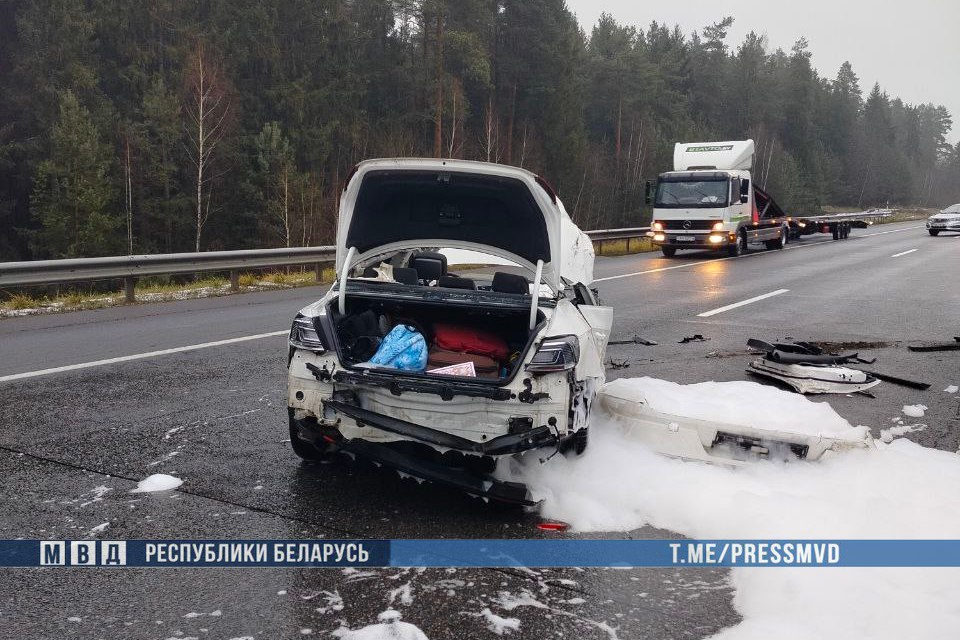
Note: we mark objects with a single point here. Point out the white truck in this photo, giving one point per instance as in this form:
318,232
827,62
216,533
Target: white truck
709,201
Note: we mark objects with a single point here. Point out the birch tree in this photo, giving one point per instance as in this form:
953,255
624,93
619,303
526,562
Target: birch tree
207,109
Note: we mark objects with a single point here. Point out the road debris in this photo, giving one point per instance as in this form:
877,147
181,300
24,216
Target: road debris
613,363
694,338
635,340
936,346
806,369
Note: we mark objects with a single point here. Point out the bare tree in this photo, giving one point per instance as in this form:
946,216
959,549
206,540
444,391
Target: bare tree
208,107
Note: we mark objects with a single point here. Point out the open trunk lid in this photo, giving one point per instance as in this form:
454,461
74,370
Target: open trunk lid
395,204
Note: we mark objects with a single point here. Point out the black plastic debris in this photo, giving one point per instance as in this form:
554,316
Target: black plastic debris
694,338
936,346
634,340
903,382
618,364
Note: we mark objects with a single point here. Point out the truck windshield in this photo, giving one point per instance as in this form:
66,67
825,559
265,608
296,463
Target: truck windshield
692,194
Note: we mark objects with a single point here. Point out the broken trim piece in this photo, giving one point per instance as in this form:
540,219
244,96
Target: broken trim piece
812,378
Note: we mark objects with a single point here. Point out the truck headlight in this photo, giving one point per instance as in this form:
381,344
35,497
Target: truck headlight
303,335
718,226
657,226
560,353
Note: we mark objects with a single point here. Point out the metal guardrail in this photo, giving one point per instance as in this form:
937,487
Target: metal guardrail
617,234
129,268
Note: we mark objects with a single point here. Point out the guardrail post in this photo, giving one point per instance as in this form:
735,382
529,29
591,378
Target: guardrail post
318,272
234,280
129,285
628,244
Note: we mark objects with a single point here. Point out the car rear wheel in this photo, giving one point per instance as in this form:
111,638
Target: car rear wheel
668,252
303,448
934,232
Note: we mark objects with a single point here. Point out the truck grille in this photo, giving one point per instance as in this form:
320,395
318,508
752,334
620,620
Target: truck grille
688,225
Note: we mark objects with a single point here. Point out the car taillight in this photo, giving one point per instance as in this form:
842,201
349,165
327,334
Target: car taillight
303,335
555,354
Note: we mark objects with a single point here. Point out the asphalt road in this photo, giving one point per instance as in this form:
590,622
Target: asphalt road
73,443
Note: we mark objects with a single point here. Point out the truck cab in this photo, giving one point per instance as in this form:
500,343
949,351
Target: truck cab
709,201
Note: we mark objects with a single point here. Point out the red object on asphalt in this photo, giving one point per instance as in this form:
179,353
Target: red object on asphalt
552,526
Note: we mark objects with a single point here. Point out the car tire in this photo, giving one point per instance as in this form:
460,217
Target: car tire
306,450
668,252
933,232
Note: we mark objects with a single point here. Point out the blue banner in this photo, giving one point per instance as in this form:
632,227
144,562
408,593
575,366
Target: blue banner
480,553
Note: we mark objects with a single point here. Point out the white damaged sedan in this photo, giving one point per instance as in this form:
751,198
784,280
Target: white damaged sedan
502,360
946,220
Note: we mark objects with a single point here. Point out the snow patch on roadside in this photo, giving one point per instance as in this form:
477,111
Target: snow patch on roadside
952,389
157,482
897,490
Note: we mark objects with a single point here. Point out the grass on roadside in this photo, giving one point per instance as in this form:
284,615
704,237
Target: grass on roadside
157,289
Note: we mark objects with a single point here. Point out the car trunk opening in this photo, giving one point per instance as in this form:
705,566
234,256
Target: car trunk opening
466,338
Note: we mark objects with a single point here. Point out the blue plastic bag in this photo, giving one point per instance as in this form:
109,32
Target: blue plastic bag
403,348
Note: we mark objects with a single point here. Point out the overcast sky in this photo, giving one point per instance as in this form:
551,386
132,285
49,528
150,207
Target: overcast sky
912,48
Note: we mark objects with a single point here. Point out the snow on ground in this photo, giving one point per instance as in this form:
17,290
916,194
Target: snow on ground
952,389
896,490
157,482
390,627
914,410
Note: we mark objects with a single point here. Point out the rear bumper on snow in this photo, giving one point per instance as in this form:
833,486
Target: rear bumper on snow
474,483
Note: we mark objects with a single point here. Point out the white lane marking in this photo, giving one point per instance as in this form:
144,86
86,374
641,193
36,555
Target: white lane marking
902,253
749,255
138,356
713,312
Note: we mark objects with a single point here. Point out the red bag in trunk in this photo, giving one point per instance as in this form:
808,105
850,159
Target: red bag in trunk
485,367
466,340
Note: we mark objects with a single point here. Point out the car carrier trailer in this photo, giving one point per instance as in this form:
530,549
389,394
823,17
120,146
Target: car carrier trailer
837,224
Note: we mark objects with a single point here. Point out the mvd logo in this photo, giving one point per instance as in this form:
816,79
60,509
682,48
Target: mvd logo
80,553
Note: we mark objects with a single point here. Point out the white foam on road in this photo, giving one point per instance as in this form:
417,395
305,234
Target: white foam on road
157,482
898,490
139,356
914,410
390,627
713,312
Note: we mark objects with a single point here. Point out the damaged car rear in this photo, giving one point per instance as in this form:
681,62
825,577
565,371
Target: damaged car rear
438,371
